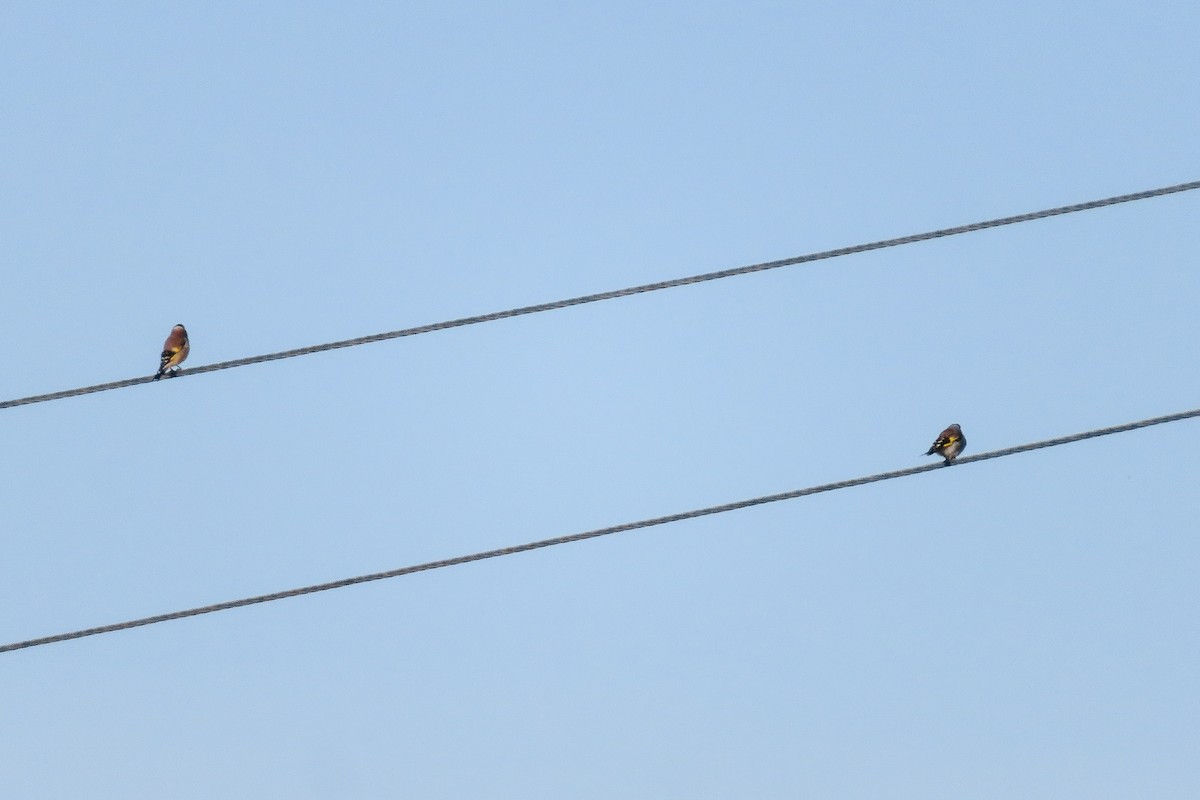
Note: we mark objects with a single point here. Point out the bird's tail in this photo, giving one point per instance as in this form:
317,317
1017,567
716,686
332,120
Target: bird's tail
162,365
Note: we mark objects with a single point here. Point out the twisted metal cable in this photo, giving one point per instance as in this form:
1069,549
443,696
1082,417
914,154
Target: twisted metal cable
616,293
592,534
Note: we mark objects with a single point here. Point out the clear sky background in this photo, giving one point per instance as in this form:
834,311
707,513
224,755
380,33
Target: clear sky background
275,175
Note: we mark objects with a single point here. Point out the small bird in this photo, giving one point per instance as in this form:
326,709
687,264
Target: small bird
949,444
175,351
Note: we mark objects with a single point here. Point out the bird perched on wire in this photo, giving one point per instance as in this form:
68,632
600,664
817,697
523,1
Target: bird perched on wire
949,443
175,350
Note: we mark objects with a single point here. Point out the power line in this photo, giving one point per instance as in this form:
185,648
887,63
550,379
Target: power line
616,293
592,534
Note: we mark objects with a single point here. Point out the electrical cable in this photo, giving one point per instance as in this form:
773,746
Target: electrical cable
616,293
592,534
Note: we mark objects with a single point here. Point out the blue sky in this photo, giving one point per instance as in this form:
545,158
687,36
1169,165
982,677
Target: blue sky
281,174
